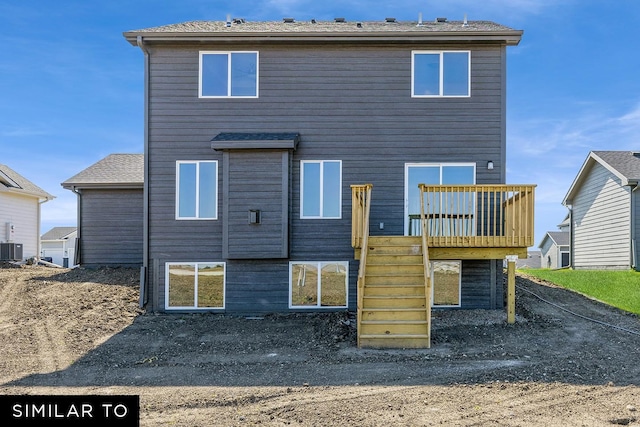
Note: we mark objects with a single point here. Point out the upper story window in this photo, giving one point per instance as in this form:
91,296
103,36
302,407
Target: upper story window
441,74
228,75
321,189
197,190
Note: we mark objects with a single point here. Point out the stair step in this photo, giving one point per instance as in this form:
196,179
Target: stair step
395,240
393,327
391,279
390,290
396,259
387,314
400,301
395,341
394,269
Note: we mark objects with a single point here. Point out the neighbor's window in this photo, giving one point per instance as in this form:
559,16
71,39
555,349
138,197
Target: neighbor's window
197,189
321,183
445,74
198,285
445,278
318,284
228,74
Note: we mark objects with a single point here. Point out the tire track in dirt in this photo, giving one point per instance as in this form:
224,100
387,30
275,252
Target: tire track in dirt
52,350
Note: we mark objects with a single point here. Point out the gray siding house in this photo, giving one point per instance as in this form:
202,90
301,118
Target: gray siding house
604,206
110,211
259,135
555,249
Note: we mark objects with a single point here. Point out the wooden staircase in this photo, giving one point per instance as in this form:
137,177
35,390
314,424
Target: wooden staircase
394,311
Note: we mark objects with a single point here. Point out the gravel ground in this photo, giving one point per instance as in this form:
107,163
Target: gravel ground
80,332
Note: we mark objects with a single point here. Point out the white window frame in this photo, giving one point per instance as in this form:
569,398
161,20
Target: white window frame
197,163
318,305
195,290
440,165
433,288
229,78
321,216
441,88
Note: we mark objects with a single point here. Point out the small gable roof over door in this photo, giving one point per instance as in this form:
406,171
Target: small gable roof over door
255,141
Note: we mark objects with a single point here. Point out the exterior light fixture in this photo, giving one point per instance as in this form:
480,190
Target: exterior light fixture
490,165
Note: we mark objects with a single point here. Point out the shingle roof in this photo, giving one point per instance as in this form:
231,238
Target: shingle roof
324,27
115,170
15,182
562,238
255,140
352,29
57,233
626,163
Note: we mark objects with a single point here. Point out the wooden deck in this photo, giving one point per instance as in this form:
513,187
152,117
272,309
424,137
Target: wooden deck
456,222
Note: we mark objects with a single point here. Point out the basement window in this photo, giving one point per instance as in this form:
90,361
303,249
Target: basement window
441,74
445,277
228,75
320,284
198,285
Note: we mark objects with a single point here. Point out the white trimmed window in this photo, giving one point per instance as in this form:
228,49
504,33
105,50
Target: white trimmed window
441,74
197,189
322,284
228,75
446,280
321,189
194,285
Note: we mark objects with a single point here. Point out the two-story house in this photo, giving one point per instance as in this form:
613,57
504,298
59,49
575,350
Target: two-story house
276,151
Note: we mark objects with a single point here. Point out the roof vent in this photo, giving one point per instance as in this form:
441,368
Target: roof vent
228,21
289,20
390,19
239,20
340,20
441,20
313,21
465,23
359,24
420,19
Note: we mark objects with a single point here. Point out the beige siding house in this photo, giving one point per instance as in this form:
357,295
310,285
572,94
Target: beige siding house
604,205
20,201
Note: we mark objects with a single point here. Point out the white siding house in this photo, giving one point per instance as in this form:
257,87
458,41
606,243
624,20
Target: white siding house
603,205
20,201
555,249
58,245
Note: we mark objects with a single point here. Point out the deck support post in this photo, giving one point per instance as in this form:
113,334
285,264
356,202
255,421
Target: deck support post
511,288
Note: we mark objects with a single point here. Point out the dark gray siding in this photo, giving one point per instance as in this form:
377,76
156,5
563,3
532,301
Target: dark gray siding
256,180
351,103
111,227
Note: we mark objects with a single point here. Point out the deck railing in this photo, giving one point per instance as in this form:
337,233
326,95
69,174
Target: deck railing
360,208
493,216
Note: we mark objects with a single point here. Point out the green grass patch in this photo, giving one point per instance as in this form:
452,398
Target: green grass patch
617,288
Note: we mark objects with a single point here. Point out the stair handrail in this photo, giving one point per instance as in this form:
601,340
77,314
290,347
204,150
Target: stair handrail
427,267
363,233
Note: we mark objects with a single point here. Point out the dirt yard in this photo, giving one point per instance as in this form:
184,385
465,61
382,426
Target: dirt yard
81,332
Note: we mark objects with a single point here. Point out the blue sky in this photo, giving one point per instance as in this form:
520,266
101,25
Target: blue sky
72,88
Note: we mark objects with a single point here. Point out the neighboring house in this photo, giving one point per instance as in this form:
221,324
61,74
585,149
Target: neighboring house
555,248
604,207
533,260
20,201
110,211
259,137
58,245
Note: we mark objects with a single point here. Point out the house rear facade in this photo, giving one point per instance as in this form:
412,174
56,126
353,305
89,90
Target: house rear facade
604,205
259,135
